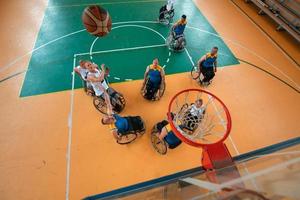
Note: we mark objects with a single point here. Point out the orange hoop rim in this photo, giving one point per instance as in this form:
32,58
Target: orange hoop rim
188,141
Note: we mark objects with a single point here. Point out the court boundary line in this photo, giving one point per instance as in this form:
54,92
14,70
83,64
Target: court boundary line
266,34
70,129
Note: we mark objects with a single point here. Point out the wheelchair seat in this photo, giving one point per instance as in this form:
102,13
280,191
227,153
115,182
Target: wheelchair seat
136,124
171,139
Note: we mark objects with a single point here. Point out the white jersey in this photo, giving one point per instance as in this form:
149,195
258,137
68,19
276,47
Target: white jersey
83,72
96,85
170,4
197,112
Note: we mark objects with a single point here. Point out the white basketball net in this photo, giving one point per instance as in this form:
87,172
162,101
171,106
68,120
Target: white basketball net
206,123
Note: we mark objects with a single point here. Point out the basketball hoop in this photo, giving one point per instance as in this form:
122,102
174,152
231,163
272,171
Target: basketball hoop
201,119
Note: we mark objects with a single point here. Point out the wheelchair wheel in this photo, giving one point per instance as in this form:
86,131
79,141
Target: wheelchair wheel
126,139
160,146
162,90
118,103
195,73
100,104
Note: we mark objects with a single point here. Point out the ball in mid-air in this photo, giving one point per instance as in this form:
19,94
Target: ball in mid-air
96,20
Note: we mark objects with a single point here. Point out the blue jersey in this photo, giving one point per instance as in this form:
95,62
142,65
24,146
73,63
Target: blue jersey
179,29
155,74
121,124
172,140
209,60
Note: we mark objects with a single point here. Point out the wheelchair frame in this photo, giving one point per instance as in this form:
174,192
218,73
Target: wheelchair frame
158,91
131,136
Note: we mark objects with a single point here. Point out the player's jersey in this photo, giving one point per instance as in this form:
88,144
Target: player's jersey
155,74
179,29
96,85
197,112
172,140
83,72
121,124
209,60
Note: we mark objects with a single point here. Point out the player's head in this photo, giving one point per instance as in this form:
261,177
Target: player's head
214,50
107,120
88,65
93,66
82,63
199,103
183,18
155,62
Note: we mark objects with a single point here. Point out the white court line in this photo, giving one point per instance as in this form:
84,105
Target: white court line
155,22
121,49
250,51
33,50
104,3
128,25
265,34
249,176
70,125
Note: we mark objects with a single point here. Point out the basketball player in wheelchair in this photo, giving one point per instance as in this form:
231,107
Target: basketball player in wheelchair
154,82
163,138
166,13
176,40
97,80
190,116
207,65
124,129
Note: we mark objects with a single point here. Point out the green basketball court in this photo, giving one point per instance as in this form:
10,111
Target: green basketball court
136,39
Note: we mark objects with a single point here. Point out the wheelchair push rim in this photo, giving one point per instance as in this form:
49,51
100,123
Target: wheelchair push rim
159,145
126,139
100,104
195,74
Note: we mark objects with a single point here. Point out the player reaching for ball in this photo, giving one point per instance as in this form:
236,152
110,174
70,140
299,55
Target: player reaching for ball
96,78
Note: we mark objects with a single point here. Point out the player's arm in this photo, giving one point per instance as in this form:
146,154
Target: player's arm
215,65
77,71
200,61
101,77
146,75
162,73
108,103
115,133
163,133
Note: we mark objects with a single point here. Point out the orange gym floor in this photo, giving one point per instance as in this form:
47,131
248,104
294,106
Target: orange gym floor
34,130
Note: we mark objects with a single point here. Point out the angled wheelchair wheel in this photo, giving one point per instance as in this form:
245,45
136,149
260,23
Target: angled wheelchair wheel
100,104
160,146
162,91
195,73
126,139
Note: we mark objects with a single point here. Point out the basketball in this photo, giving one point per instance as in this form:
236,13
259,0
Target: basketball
96,20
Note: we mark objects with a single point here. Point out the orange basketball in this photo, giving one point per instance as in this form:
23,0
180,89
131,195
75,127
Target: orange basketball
96,20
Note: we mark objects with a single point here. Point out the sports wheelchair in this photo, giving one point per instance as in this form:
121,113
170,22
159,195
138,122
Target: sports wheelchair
152,93
198,73
162,146
136,127
175,42
165,16
117,101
